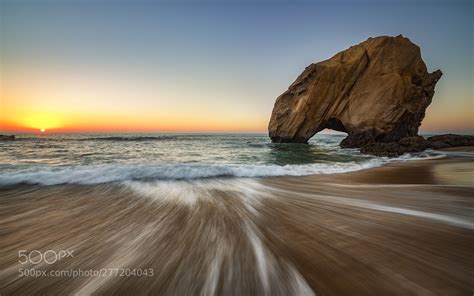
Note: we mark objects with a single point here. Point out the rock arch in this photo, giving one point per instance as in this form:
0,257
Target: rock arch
377,91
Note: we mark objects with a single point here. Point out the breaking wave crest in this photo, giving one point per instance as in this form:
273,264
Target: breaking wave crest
97,174
129,139
98,139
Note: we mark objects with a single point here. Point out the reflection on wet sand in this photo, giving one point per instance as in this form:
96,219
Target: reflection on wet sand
401,229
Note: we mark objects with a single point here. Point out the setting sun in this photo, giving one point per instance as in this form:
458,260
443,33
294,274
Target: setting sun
42,121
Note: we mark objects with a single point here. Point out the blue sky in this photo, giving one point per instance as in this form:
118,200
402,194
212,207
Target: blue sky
210,64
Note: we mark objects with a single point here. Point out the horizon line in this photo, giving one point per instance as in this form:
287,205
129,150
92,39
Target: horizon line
325,131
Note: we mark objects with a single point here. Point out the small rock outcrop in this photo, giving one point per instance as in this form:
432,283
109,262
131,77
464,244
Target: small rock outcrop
376,91
450,140
393,149
417,144
4,137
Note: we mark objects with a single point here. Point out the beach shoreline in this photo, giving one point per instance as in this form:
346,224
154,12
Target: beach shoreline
396,172
403,228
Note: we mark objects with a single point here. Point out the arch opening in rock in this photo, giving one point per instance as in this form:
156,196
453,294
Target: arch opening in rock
333,126
336,125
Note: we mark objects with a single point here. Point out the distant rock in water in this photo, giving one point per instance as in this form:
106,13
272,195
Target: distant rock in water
376,91
4,137
416,144
450,140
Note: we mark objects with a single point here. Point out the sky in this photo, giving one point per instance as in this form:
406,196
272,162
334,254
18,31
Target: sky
208,66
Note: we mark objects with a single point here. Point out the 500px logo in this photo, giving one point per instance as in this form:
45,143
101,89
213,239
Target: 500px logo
48,257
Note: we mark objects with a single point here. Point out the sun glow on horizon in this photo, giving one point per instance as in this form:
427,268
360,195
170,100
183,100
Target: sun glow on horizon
42,121
28,120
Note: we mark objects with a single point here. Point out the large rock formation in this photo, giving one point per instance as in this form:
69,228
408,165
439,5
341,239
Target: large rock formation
376,91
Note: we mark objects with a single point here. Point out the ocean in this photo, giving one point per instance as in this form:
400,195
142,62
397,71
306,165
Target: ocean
195,214
73,158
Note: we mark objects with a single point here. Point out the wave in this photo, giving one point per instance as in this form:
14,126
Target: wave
97,174
132,138
111,138
114,173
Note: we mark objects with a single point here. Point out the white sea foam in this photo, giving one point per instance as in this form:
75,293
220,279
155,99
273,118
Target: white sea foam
110,173
106,173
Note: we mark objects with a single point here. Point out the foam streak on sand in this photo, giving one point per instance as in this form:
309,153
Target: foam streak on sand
360,203
269,236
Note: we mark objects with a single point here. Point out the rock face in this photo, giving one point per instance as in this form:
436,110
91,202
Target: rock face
450,140
4,137
376,91
393,149
416,144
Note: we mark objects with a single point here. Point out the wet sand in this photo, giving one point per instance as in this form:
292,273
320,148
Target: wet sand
402,229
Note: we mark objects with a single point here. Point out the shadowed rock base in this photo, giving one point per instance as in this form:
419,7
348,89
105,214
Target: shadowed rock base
416,144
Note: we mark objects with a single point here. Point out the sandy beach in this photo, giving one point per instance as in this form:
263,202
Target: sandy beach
403,229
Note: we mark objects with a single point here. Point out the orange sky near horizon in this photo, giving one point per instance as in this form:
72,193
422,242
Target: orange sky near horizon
31,119
34,96
64,102
86,103
59,102
120,126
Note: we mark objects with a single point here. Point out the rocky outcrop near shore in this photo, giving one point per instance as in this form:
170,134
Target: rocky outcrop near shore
5,137
376,91
450,140
417,144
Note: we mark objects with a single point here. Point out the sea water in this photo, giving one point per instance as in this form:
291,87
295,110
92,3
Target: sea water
94,158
